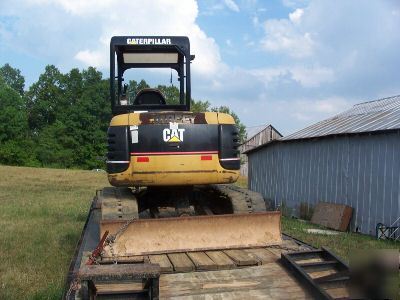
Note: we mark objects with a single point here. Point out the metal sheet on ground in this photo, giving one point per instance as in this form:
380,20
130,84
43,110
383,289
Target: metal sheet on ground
195,233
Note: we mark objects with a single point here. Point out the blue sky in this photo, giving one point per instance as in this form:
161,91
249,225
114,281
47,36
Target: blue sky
289,63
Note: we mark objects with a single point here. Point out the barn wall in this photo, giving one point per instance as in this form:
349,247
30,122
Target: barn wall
267,134
361,171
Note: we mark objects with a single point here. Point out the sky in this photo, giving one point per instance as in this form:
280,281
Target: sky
289,63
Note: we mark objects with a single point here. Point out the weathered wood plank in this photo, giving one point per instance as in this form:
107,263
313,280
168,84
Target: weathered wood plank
280,293
242,258
262,254
163,261
310,260
339,292
116,272
124,259
276,252
114,288
201,261
221,259
315,275
269,281
181,262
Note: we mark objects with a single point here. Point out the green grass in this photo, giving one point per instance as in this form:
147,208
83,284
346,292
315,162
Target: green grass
41,217
42,214
343,244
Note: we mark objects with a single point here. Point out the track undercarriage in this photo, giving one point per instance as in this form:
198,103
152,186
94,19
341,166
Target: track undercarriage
161,202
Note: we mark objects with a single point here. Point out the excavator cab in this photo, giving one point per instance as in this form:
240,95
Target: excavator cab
149,52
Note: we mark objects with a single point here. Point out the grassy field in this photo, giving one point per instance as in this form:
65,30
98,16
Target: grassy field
343,244
42,214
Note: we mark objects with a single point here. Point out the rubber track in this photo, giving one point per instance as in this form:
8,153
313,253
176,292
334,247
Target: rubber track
243,200
119,194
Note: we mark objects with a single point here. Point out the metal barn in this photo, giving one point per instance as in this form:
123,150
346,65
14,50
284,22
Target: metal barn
267,134
352,158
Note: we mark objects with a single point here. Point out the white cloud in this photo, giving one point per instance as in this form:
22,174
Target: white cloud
294,3
90,58
107,18
307,77
283,37
312,110
312,77
295,16
232,5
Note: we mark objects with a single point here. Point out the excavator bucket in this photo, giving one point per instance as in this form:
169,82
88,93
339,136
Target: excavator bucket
199,233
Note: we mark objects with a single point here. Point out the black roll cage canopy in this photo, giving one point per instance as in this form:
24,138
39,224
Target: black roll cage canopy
121,46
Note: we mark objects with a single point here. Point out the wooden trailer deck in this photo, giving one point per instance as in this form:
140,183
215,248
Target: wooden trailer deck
217,274
225,274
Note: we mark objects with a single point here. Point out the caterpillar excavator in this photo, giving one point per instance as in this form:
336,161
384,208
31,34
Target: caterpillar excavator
171,173
170,168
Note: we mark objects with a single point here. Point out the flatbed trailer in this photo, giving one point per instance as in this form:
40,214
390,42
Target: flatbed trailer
258,272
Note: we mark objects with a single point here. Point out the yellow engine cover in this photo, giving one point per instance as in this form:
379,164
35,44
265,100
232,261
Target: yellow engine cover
172,148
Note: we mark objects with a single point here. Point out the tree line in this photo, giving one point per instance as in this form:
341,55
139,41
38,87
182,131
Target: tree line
61,120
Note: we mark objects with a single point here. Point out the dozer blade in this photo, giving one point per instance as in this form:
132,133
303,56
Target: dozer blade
165,235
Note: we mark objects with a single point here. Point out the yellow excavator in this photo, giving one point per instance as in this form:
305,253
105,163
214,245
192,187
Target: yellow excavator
171,169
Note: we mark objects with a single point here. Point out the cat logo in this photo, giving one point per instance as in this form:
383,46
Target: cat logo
173,133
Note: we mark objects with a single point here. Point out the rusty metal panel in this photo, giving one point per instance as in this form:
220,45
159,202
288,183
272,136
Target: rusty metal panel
335,216
361,171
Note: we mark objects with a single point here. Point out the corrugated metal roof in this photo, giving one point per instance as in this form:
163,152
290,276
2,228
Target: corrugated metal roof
382,114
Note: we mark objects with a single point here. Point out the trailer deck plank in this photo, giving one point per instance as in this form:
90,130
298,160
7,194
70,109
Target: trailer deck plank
268,281
242,258
163,261
339,292
221,259
114,288
181,262
201,261
276,252
124,259
262,254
